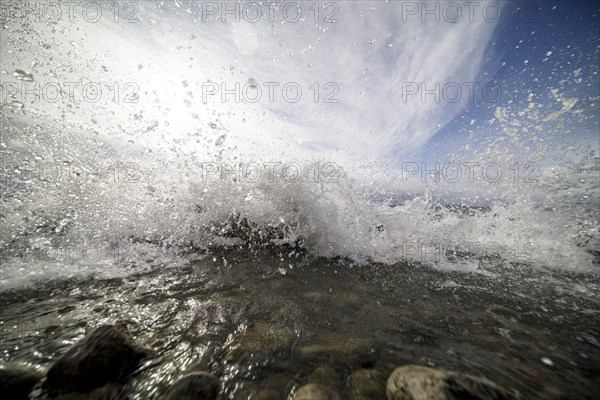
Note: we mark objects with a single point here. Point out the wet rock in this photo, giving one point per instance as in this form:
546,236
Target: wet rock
325,376
353,351
23,75
367,384
258,341
105,355
314,391
195,386
280,383
16,382
412,382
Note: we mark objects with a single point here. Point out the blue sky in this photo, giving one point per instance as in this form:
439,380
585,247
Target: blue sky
517,58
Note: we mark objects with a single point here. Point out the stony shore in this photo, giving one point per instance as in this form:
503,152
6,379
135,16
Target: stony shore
100,365
256,333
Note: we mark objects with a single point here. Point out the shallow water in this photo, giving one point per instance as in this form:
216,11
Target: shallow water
255,322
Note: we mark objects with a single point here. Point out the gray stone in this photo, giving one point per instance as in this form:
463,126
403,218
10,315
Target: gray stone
314,391
367,384
105,355
415,382
16,382
257,342
195,386
325,376
279,382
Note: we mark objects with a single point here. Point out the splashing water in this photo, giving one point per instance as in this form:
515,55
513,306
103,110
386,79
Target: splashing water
242,194
144,157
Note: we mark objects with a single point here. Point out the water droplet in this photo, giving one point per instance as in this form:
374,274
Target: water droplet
547,361
16,104
220,140
23,76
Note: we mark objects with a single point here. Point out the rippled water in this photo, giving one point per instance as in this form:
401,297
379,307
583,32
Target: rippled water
251,319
